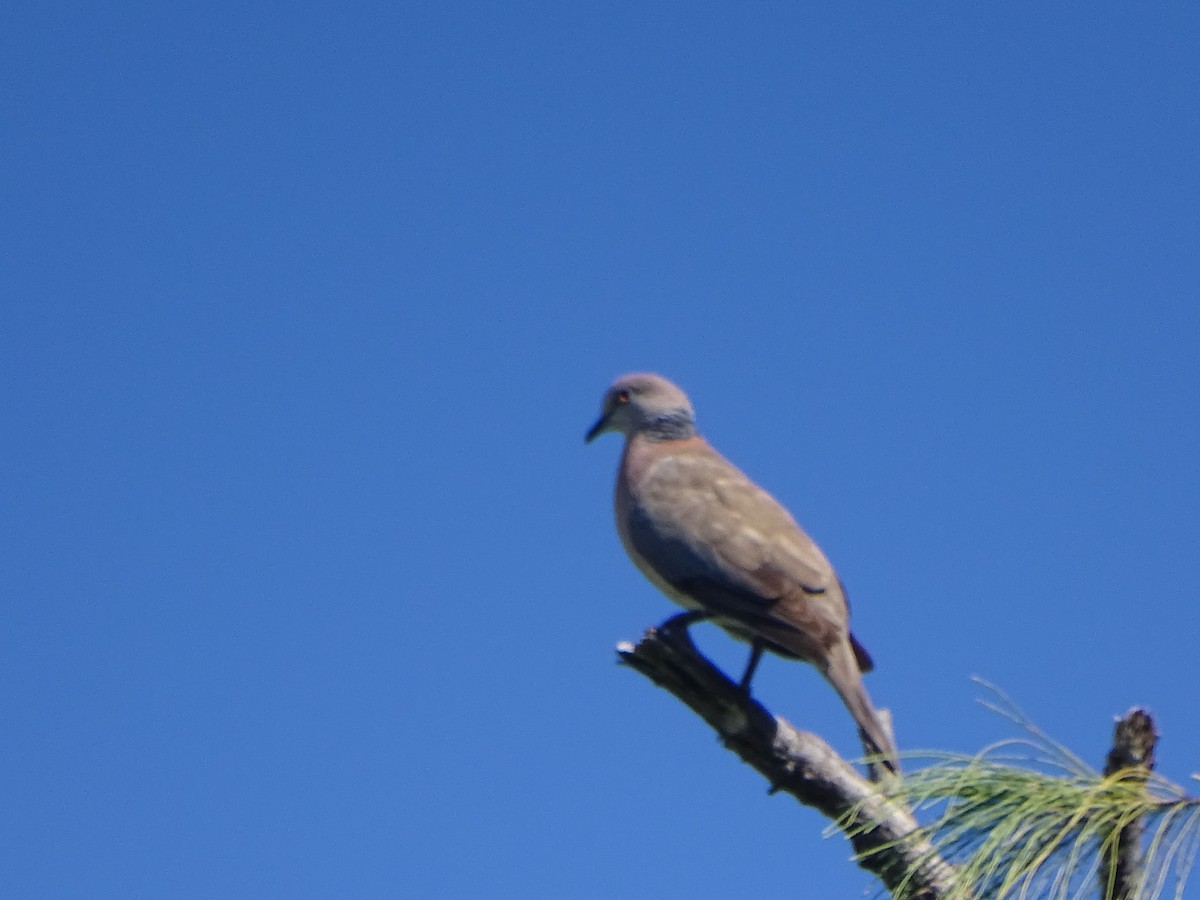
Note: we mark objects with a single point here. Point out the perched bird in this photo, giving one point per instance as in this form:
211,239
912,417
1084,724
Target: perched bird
714,541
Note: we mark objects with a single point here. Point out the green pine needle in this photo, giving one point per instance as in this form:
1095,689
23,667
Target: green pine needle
1029,819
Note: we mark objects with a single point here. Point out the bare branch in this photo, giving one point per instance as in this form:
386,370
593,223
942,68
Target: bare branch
883,832
1134,741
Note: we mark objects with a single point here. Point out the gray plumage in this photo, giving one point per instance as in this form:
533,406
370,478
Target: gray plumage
712,540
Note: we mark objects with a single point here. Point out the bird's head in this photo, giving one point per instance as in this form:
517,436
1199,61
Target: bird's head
646,404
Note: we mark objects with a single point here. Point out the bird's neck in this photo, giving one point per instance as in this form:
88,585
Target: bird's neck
676,425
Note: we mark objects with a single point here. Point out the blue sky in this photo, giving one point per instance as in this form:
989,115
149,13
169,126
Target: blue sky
310,586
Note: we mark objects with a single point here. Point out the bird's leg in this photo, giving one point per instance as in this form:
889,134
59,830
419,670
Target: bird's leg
684,620
756,652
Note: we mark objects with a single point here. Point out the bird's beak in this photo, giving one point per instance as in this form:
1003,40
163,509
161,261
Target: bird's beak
596,430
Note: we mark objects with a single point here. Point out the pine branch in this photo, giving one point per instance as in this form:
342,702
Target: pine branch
1134,741
886,838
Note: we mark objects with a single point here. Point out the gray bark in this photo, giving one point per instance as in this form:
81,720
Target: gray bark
885,836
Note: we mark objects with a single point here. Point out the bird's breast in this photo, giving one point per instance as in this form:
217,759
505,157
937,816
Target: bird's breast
636,461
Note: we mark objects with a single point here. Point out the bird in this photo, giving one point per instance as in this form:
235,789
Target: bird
718,544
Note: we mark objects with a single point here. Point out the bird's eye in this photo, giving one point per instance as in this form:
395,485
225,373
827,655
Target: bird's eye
622,396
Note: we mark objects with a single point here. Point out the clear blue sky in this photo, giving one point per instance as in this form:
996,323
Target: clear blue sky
309,585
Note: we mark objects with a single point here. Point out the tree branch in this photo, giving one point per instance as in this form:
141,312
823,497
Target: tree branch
1134,741
883,832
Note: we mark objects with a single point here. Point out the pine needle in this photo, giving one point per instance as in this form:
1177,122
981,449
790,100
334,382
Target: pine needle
1027,818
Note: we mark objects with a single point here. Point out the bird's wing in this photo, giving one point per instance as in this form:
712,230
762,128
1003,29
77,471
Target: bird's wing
709,531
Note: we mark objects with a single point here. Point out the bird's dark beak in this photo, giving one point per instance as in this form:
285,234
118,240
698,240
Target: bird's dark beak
596,430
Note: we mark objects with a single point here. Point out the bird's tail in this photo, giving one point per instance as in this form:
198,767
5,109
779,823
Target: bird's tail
843,673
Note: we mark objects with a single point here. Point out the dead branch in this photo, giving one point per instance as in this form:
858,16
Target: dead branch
885,836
